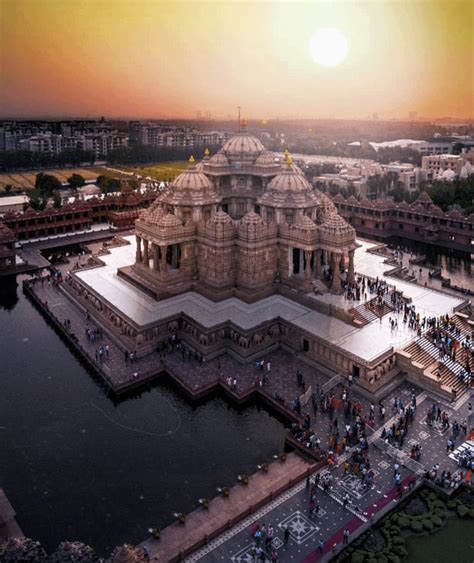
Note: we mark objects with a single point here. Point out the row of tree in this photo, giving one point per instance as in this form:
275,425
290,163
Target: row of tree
458,193
27,160
48,186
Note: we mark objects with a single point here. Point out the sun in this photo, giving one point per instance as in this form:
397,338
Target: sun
328,46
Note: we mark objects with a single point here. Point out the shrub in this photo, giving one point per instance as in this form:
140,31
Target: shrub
452,504
428,524
462,511
416,526
437,521
393,558
403,521
357,557
398,540
400,550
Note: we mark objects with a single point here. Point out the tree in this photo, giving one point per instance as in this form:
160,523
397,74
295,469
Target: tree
107,184
46,184
57,200
76,181
37,200
8,188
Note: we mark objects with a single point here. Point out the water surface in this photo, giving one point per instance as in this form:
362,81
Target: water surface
77,467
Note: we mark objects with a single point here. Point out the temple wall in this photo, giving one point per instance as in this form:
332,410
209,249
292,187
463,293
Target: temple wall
227,338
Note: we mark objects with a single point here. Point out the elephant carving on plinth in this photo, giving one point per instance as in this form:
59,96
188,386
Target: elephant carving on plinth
244,342
257,338
379,372
173,326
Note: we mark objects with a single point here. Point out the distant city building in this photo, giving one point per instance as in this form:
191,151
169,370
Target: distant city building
448,166
55,137
171,136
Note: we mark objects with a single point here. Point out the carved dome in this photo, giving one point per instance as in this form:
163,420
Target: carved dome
191,179
169,220
218,160
190,188
305,223
266,160
220,218
219,226
153,214
335,232
289,190
252,218
243,146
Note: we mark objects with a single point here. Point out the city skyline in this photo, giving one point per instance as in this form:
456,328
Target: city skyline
175,59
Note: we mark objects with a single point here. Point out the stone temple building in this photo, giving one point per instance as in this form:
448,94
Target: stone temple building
240,255
241,224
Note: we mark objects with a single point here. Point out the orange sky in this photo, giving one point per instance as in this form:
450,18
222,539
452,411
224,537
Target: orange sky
147,58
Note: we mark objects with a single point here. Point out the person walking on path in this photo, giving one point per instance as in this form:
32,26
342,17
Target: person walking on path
320,546
345,540
286,535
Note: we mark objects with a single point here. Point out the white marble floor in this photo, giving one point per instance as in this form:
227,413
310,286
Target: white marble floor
367,342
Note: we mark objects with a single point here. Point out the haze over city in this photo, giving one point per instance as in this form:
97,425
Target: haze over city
175,59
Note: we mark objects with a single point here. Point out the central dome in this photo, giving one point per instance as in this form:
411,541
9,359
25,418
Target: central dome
243,146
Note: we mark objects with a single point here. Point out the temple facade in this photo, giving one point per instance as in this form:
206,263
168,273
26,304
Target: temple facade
241,223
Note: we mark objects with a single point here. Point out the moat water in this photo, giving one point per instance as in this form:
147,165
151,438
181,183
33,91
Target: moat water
76,466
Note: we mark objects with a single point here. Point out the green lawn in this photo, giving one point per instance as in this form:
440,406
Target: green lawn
161,171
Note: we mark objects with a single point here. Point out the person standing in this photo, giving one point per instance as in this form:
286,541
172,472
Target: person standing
346,536
286,535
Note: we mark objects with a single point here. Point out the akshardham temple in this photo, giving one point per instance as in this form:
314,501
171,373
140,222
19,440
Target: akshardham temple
239,224
241,255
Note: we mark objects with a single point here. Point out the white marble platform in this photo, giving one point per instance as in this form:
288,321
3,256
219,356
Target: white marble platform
367,342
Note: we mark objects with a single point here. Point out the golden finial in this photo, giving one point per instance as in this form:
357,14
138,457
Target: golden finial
191,159
286,153
206,152
264,121
289,160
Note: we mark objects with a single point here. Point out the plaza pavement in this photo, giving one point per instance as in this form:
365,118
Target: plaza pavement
292,507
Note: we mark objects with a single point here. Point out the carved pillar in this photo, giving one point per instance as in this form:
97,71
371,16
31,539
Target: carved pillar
336,274
174,257
138,256
317,264
163,264
350,272
156,257
146,258
307,265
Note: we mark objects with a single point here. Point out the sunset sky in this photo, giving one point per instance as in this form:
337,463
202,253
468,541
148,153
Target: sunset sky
144,58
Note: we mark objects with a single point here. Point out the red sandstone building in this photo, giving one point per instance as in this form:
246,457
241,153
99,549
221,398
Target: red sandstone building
7,248
119,210
422,221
